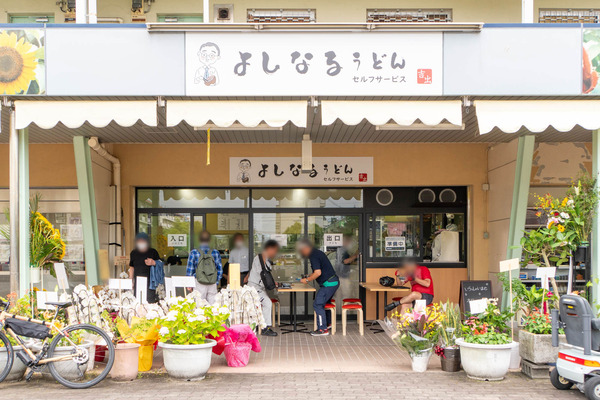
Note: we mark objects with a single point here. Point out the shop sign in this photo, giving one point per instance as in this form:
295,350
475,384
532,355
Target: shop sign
326,171
395,243
177,240
333,240
313,64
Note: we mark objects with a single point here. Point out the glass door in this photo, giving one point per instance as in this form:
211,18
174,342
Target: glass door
339,237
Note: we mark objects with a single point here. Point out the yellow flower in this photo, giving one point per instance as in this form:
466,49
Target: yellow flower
561,228
565,201
17,64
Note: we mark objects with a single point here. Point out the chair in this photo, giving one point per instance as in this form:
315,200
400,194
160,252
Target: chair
351,300
359,317
331,308
277,306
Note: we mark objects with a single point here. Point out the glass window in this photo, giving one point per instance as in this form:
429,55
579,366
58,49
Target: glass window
307,198
397,236
444,237
31,19
192,198
222,227
179,18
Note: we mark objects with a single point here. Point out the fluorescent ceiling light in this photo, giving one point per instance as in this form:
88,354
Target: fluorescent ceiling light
236,126
171,19
42,19
444,126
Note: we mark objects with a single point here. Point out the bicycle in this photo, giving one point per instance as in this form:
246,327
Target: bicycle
79,356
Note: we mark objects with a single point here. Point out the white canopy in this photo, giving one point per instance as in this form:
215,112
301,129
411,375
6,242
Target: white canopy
73,114
248,113
401,112
537,115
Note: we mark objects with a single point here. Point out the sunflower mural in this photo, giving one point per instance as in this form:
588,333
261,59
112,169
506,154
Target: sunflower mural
22,54
591,61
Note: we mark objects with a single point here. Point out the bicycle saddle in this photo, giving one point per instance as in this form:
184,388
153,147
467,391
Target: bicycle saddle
59,304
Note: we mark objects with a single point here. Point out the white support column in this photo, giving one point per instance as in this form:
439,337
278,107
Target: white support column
206,11
595,267
24,230
81,11
92,12
13,139
527,11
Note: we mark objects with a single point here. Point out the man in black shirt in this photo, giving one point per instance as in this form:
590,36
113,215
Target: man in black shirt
328,281
141,259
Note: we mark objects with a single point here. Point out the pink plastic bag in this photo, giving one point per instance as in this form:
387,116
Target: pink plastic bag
237,354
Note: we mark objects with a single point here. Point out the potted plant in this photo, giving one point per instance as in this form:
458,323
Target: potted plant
449,330
535,339
582,198
125,367
183,338
417,333
486,345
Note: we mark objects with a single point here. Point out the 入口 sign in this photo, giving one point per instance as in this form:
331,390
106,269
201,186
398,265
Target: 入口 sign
177,240
313,64
326,171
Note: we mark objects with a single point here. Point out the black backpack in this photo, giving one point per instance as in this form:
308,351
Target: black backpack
265,275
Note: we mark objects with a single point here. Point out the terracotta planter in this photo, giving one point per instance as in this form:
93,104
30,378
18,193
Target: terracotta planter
125,367
538,348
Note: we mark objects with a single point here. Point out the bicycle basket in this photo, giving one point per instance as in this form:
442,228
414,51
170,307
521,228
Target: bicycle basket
28,329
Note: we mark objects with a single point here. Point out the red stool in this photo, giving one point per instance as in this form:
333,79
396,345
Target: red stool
359,317
277,306
351,300
331,308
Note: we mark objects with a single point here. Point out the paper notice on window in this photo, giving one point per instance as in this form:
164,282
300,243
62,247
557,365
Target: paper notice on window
478,306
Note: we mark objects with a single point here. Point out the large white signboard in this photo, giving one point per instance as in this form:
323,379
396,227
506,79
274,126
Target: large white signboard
325,64
327,171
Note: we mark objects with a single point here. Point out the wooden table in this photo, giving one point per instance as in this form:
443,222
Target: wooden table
297,287
377,289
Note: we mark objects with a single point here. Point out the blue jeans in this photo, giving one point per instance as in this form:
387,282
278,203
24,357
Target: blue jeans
323,296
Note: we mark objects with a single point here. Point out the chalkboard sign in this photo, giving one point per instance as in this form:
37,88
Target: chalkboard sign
473,290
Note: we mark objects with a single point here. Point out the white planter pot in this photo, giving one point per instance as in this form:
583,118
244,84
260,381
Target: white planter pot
189,362
488,362
18,368
35,274
420,361
68,369
515,357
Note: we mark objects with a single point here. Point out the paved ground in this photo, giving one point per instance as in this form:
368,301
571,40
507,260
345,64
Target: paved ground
288,386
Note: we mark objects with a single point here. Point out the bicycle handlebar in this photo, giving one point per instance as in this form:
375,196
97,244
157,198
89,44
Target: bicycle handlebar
4,305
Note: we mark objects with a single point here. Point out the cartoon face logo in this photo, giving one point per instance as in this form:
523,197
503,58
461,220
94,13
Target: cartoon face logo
208,54
244,174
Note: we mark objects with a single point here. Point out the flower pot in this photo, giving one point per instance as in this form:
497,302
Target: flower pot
67,369
420,360
18,368
189,362
515,357
237,354
125,367
488,362
537,348
35,274
581,253
451,359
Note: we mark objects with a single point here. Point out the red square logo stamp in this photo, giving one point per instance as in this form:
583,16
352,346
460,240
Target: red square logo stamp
362,177
424,76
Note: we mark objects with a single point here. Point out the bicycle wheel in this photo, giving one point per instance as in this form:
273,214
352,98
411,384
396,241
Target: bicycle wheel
90,360
7,356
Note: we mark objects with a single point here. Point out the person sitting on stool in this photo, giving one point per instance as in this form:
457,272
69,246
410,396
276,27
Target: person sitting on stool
328,281
419,278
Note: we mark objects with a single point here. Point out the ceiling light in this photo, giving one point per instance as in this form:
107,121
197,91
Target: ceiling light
444,126
238,127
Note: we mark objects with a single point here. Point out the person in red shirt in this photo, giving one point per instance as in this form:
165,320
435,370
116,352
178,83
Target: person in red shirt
419,278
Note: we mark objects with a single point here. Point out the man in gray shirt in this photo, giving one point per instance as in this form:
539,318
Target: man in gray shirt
269,251
239,255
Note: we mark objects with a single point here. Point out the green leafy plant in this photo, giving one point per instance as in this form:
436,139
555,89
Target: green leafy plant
583,199
185,324
489,327
450,325
538,323
527,299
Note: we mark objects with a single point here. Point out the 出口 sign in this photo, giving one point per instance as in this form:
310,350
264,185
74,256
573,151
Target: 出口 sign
326,171
313,63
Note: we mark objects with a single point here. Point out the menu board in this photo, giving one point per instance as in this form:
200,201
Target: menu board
473,290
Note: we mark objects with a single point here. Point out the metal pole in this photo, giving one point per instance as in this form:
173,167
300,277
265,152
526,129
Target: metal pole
206,11
92,12
81,11
595,237
527,11
13,139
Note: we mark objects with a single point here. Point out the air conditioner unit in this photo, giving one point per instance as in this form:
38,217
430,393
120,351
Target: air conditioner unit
223,13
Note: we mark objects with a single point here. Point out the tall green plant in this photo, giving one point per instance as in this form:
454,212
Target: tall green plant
450,324
583,197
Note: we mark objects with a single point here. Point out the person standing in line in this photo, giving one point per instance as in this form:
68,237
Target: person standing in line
343,268
141,260
239,255
205,265
269,251
327,279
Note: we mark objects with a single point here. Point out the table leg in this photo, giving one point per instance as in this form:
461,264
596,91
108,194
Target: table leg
375,328
294,318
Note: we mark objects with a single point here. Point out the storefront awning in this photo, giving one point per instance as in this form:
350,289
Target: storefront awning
248,113
73,114
401,112
537,115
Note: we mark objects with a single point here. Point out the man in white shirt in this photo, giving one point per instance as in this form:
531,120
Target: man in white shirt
269,251
239,255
